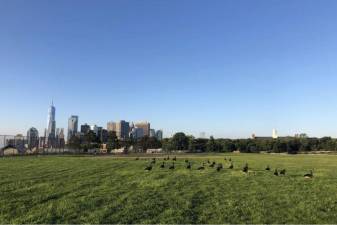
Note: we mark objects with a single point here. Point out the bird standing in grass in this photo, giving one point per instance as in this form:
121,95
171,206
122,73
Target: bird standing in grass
148,168
231,166
268,168
172,166
245,168
309,175
283,172
162,165
201,167
219,167
212,165
189,166
276,172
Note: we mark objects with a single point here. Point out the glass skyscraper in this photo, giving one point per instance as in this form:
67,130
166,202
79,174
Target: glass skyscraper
51,126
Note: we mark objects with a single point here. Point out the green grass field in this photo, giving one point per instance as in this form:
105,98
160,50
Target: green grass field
118,190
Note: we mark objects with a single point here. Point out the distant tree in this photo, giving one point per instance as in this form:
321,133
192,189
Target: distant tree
252,147
74,142
197,145
167,144
148,143
293,146
180,141
113,142
90,137
213,145
227,145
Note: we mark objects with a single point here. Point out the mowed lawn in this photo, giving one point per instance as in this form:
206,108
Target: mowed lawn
54,189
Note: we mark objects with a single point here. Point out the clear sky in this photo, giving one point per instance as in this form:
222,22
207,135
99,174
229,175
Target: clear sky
229,68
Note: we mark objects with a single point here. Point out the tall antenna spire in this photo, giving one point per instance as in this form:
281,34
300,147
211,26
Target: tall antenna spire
52,102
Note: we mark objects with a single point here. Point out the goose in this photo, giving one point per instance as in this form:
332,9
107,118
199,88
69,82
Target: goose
201,167
148,168
219,167
172,166
309,175
245,168
212,165
276,172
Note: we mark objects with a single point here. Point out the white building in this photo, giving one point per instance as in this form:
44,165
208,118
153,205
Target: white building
274,135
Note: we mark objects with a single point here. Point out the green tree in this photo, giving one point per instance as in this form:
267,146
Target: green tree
74,142
197,144
213,145
180,141
113,142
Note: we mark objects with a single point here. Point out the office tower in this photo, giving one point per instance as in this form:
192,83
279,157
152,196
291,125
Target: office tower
61,133
32,138
104,136
122,129
136,133
51,126
159,135
145,126
152,133
61,141
94,128
85,129
57,133
111,126
72,126
99,132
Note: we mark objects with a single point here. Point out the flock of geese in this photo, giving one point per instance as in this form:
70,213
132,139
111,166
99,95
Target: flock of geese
217,166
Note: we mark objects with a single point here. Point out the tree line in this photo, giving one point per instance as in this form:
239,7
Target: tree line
91,141
291,145
183,142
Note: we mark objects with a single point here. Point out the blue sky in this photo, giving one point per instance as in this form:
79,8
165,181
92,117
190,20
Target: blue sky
229,68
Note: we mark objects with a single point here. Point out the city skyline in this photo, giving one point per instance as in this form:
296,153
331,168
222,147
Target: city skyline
225,68
123,129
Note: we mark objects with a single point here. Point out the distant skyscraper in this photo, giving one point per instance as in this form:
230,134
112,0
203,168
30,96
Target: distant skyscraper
136,133
111,126
33,138
145,126
159,135
85,128
122,129
104,136
152,132
61,133
51,126
72,126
